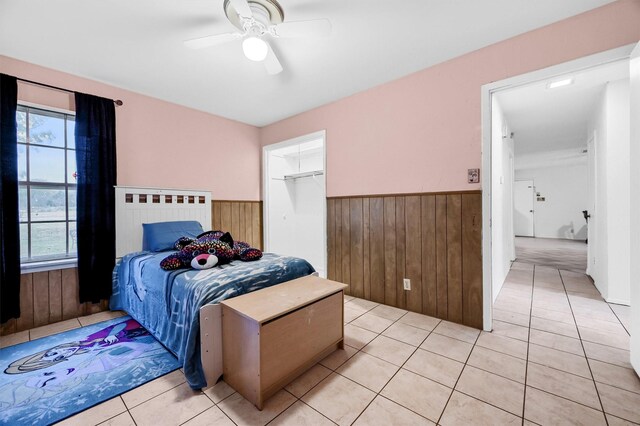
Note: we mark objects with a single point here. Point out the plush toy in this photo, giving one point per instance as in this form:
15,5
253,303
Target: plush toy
250,254
245,252
218,235
204,261
182,242
220,247
209,249
238,246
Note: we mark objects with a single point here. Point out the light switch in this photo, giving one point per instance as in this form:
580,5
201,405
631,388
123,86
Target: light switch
473,175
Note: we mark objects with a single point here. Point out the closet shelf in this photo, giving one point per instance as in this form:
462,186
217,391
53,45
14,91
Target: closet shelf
303,175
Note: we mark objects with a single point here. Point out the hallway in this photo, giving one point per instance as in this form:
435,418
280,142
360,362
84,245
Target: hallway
575,344
562,254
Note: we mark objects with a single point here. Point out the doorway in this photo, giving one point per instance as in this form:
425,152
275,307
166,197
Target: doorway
523,195
295,199
497,241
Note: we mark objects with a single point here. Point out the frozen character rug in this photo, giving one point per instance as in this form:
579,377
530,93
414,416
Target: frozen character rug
49,379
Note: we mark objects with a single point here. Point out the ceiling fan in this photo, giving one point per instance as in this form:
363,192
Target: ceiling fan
257,19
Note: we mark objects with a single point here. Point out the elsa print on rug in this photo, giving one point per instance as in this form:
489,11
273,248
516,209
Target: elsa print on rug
46,380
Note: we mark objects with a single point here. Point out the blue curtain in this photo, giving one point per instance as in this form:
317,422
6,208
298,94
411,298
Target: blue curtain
96,163
9,222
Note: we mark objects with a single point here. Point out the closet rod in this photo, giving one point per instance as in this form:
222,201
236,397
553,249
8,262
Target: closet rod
118,102
303,175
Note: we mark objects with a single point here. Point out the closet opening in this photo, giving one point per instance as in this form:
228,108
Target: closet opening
295,199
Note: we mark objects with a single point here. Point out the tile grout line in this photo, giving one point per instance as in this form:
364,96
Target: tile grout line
488,403
585,352
193,417
453,389
110,418
155,396
295,399
302,402
576,338
360,350
394,374
565,398
216,405
399,368
617,317
526,362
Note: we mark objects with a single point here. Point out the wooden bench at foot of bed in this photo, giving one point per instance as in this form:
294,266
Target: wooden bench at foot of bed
271,336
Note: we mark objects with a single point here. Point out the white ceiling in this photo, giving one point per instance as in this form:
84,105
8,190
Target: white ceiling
557,119
137,45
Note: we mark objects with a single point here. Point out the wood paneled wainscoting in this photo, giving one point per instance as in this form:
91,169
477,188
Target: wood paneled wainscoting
435,240
47,297
243,219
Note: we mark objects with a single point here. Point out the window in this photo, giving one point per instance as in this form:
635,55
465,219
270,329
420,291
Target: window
47,184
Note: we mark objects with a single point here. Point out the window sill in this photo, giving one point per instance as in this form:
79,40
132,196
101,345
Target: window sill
48,265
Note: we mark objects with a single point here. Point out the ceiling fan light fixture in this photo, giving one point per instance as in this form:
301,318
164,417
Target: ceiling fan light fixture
255,49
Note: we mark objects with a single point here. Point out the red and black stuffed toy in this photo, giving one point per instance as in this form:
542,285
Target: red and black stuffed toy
208,250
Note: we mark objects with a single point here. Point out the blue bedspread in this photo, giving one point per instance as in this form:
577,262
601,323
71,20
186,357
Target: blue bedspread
167,303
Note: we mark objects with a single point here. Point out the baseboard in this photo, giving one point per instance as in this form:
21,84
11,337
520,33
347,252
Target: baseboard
619,302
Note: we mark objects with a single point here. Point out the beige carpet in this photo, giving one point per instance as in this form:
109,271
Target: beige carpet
570,255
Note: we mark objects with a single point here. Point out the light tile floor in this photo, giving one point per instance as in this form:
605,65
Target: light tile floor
558,354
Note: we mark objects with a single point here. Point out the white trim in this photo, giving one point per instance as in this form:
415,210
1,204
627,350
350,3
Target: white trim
619,302
634,154
46,107
487,91
320,134
487,269
48,265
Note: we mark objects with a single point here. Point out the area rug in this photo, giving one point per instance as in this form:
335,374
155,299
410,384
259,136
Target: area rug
49,379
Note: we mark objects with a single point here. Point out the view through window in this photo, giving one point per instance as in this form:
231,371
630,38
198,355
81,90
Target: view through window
47,184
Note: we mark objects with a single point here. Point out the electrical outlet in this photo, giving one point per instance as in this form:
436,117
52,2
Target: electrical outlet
407,283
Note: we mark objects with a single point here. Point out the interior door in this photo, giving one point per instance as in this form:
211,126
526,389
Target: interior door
523,193
635,206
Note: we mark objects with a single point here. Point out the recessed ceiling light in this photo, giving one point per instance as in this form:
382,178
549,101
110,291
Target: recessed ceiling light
560,83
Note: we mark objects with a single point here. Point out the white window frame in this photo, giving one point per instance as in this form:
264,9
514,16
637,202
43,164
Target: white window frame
46,263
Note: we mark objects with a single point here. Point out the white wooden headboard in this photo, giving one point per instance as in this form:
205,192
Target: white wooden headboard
135,206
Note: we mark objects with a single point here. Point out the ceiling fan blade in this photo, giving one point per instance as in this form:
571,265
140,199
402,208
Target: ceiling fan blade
212,40
272,63
242,7
313,28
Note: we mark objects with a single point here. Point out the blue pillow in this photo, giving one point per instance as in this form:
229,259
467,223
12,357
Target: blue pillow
161,236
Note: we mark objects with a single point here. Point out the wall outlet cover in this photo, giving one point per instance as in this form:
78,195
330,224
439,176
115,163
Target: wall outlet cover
407,283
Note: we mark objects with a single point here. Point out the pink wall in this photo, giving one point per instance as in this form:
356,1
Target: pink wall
422,132
157,140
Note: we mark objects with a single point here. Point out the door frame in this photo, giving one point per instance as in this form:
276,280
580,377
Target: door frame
533,211
592,197
487,92
320,134
634,65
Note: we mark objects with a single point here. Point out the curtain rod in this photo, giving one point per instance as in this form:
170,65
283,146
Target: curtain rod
118,102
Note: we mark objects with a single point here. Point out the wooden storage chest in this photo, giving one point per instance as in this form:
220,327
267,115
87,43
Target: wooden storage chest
273,335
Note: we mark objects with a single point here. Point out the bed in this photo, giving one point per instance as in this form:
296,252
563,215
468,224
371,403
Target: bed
180,308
